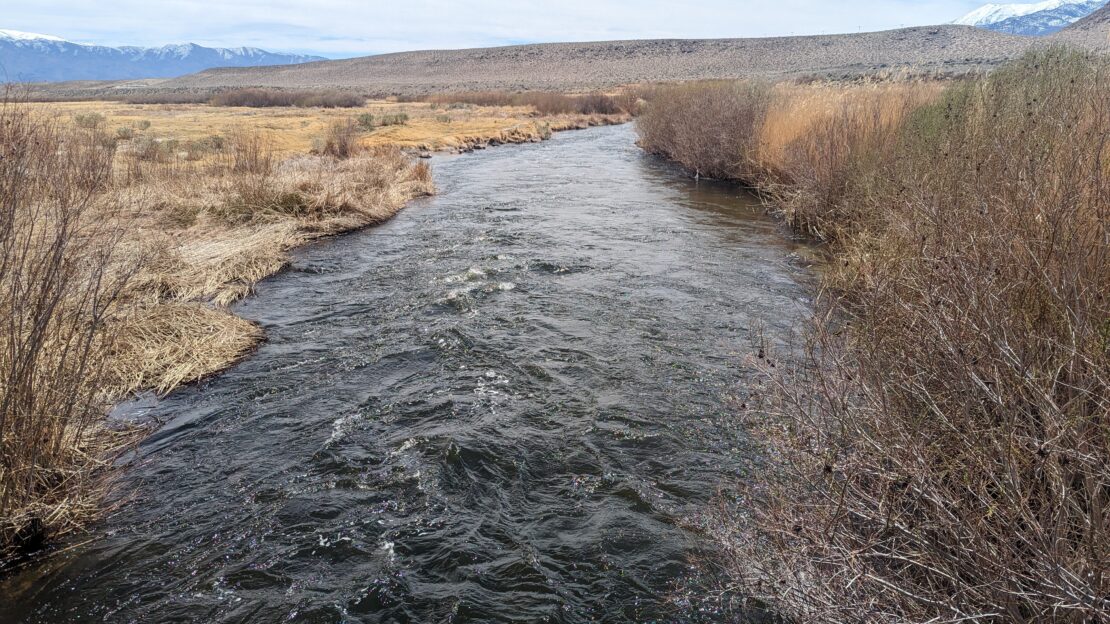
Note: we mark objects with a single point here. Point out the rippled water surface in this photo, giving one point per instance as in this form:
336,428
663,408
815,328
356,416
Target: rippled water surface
498,407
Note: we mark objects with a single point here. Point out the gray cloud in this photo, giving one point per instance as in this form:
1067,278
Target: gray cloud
352,27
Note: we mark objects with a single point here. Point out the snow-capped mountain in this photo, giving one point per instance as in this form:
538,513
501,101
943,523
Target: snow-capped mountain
1041,18
31,57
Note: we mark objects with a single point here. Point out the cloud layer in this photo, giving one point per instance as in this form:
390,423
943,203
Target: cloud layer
351,27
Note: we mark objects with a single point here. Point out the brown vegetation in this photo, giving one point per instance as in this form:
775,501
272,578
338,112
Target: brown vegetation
268,98
942,453
544,103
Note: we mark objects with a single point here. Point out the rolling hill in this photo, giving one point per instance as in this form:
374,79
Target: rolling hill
569,66
945,50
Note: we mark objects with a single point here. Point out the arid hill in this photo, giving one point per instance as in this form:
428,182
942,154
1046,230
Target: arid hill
568,66
1092,31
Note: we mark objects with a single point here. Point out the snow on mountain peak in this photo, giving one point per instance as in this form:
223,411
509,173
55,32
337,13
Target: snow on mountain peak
17,35
30,57
995,13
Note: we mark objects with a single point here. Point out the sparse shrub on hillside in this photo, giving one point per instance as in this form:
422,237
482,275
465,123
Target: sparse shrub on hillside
366,121
941,453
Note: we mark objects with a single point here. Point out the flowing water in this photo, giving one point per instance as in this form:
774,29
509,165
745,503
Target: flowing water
501,406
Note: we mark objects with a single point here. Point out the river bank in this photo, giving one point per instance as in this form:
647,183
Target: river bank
941,454
191,213
499,405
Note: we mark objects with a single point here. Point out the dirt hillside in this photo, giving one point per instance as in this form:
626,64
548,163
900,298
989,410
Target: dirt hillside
569,66
1092,31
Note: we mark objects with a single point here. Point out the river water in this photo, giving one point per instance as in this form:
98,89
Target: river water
501,406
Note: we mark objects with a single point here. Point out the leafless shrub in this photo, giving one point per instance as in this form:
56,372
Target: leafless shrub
248,153
59,280
168,97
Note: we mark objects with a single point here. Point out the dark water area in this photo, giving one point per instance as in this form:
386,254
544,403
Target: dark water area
501,406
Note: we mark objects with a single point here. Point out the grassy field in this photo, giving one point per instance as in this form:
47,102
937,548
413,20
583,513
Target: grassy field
430,127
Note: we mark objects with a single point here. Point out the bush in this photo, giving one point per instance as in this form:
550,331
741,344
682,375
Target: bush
712,129
265,98
342,140
249,153
396,119
60,278
148,149
366,122
169,97
89,121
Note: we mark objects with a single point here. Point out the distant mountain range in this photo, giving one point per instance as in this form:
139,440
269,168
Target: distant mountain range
31,57
1037,19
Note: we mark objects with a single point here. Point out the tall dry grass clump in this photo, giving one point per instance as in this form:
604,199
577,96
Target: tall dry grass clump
60,275
822,148
943,452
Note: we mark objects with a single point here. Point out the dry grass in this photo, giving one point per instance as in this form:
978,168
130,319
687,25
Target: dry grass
220,226
429,127
942,453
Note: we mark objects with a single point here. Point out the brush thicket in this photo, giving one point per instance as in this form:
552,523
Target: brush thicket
942,453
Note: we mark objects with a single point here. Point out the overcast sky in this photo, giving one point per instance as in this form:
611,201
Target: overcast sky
341,28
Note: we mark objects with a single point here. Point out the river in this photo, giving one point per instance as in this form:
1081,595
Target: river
501,406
